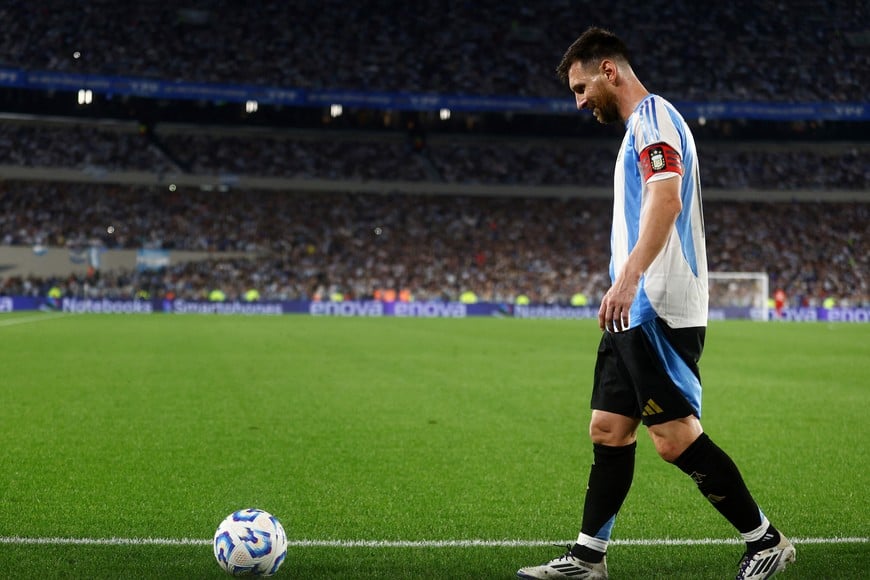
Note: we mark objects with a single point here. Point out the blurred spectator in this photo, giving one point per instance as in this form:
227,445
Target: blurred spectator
387,157
316,245
487,47
81,146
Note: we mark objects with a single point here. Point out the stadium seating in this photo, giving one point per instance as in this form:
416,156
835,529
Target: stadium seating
734,51
450,159
300,246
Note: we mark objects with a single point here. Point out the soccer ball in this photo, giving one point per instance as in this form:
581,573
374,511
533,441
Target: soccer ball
250,542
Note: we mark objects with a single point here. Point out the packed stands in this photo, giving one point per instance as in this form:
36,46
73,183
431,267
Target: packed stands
737,51
305,246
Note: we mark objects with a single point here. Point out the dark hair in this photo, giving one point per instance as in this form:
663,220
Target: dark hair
595,44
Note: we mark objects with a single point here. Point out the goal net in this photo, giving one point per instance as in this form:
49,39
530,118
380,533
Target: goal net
738,295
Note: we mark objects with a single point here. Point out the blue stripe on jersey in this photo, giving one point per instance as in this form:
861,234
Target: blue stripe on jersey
677,369
633,193
641,309
688,196
642,116
657,136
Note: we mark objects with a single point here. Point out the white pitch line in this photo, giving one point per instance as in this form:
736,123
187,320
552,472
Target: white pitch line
539,543
27,319
19,540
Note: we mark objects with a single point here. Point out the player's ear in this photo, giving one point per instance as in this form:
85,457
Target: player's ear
609,69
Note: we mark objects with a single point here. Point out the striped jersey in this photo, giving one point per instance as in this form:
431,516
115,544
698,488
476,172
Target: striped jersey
659,145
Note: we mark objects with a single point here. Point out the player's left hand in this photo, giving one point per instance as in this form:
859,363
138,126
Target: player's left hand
613,315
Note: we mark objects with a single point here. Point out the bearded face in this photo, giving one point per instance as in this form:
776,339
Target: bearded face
604,107
593,92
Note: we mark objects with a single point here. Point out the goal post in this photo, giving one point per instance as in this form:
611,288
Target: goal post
739,295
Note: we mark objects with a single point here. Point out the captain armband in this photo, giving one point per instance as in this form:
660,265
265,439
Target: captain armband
660,158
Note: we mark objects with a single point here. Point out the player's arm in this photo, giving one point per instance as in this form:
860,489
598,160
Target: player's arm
656,224
663,207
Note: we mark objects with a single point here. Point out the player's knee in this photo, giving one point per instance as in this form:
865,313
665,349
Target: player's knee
668,450
610,433
671,446
674,437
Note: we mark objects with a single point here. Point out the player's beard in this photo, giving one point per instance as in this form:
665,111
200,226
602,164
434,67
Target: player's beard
606,110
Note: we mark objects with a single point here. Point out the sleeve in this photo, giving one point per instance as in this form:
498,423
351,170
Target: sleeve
657,142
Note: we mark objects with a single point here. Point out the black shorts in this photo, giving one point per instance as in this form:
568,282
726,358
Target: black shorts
650,372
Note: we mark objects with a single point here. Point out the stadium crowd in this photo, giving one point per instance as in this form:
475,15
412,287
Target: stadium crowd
80,146
314,246
459,160
320,246
324,158
572,163
759,50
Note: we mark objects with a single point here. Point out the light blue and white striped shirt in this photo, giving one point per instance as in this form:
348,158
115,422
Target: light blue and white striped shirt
658,144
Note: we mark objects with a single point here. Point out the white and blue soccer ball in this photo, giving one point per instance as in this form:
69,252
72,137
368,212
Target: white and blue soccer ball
250,542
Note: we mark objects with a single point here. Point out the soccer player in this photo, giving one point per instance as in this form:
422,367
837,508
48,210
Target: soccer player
654,318
779,298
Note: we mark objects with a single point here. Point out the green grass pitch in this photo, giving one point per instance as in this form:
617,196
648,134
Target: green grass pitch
138,427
